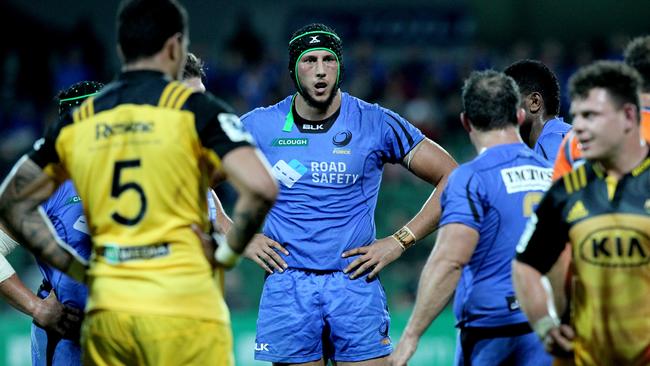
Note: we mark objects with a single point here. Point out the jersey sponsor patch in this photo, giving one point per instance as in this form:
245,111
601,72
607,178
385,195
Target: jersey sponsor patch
332,173
526,178
288,173
81,225
118,254
290,142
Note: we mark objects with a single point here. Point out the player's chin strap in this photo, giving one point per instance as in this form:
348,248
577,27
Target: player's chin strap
224,254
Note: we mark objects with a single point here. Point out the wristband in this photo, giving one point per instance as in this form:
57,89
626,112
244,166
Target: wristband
544,325
6,270
224,254
405,237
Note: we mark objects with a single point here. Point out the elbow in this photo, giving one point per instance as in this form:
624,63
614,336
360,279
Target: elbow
264,190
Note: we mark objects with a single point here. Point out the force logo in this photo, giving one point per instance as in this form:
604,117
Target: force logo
616,247
342,138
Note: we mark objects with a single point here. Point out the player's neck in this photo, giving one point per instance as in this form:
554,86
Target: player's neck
486,139
311,113
149,64
536,129
630,154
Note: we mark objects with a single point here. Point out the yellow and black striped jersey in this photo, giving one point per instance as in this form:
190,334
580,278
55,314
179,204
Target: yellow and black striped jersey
140,155
607,222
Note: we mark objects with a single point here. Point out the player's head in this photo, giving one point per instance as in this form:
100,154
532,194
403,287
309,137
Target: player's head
539,87
149,28
637,55
491,101
193,73
605,107
75,94
317,82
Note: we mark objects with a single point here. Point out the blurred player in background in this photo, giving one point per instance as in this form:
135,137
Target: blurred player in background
484,210
141,155
603,209
328,150
542,129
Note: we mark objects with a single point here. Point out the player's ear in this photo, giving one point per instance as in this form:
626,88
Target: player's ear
533,102
465,122
521,116
631,113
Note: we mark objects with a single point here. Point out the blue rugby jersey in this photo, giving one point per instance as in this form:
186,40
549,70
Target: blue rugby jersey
65,210
493,194
548,142
329,181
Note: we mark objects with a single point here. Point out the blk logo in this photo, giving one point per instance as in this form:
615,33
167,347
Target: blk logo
314,39
262,347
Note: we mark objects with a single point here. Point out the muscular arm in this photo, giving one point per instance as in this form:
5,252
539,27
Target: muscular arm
26,187
249,174
433,164
454,248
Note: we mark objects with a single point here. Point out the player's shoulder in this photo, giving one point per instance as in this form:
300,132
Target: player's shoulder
576,180
200,103
268,114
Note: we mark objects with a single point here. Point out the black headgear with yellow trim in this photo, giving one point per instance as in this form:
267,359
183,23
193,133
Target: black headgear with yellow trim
76,94
314,37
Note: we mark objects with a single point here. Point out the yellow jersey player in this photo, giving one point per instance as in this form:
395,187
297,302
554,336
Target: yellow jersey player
603,209
141,155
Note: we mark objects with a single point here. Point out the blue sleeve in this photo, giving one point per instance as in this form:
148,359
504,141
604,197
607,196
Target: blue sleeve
52,205
399,137
462,199
549,146
248,120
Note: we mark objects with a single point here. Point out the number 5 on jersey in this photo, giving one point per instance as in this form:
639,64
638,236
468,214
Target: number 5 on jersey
119,187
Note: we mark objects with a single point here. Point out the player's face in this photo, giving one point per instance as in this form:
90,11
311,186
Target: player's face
317,74
599,124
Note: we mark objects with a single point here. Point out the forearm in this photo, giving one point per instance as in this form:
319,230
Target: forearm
529,290
22,192
13,290
426,220
224,222
249,214
437,284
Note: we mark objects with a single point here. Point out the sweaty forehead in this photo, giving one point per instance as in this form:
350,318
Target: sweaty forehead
597,97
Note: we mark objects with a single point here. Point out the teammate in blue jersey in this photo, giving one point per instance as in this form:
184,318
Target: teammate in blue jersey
542,129
484,210
59,345
328,149
65,211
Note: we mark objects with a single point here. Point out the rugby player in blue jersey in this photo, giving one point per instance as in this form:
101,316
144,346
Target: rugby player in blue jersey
60,346
542,129
322,299
484,210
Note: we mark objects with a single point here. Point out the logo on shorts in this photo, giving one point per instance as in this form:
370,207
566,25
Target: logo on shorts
383,331
261,347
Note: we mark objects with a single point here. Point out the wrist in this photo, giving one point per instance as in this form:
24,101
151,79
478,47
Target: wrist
224,254
405,237
544,325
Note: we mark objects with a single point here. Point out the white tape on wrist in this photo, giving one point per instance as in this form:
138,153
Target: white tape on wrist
544,325
224,253
6,270
7,244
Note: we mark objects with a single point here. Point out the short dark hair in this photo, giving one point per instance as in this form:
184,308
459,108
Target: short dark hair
533,76
637,55
75,94
490,100
193,67
622,82
143,26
